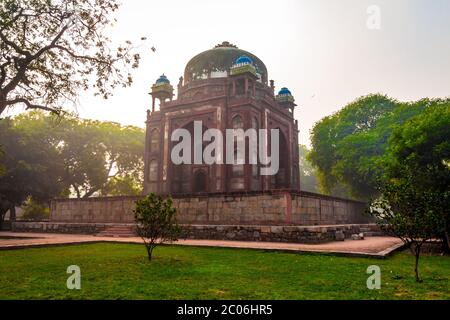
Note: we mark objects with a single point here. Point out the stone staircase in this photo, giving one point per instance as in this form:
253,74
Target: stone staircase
118,231
368,232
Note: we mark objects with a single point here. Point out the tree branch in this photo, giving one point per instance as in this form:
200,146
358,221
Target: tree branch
30,105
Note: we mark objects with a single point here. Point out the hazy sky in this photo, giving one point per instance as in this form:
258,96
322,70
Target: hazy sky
321,50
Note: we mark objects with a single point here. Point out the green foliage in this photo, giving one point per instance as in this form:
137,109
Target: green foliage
350,146
35,211
46,156
411,214
421,147
419,155
308,178
102,158
156,221
119,186
32,166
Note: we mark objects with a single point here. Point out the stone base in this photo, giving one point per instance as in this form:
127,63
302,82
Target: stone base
6,226
293,234
278,207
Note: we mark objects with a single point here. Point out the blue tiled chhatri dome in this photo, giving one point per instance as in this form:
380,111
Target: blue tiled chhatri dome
243,60
284,92
162,79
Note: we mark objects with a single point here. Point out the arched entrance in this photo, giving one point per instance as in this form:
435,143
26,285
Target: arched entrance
184,176
281,179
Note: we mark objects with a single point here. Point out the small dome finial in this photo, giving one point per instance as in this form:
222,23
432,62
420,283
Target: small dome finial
225,44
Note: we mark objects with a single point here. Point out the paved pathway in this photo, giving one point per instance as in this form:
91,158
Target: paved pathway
372,246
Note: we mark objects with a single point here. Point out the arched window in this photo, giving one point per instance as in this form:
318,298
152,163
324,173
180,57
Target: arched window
237,169
237,122
281,179
255,171
255,123
153,171
154,140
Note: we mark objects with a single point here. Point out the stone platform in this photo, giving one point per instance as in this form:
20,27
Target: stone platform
277,233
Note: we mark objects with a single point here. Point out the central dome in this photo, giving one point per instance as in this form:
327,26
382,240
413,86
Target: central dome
218,61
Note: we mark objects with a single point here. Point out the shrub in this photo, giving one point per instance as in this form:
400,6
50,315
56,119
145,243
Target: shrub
156,222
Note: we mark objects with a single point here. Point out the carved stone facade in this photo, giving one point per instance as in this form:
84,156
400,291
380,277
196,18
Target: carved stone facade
224,88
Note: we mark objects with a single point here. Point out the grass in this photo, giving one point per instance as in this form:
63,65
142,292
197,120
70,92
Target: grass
122,271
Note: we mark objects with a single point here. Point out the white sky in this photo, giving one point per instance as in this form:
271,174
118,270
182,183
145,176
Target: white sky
321,50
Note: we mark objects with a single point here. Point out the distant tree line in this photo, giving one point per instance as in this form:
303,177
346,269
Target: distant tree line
45,156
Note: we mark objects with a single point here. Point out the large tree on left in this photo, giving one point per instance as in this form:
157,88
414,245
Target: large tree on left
52,49
31,164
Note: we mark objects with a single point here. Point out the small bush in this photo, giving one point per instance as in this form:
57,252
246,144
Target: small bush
156,221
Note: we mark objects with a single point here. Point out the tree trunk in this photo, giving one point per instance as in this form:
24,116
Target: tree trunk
446,242
2,104
417,255
12,213
150,252
3,211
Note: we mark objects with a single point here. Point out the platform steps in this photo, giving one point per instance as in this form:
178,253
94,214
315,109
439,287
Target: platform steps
368,233
118,232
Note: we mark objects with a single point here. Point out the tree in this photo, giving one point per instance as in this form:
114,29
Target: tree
308,179
125,185
156,222
98,158
102,158
419,151
412,215
51,49
35,211
31,164
348,147
46,156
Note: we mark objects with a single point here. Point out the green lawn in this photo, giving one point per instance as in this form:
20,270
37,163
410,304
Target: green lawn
122,271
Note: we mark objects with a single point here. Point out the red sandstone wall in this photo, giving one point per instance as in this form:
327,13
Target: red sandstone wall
274,208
